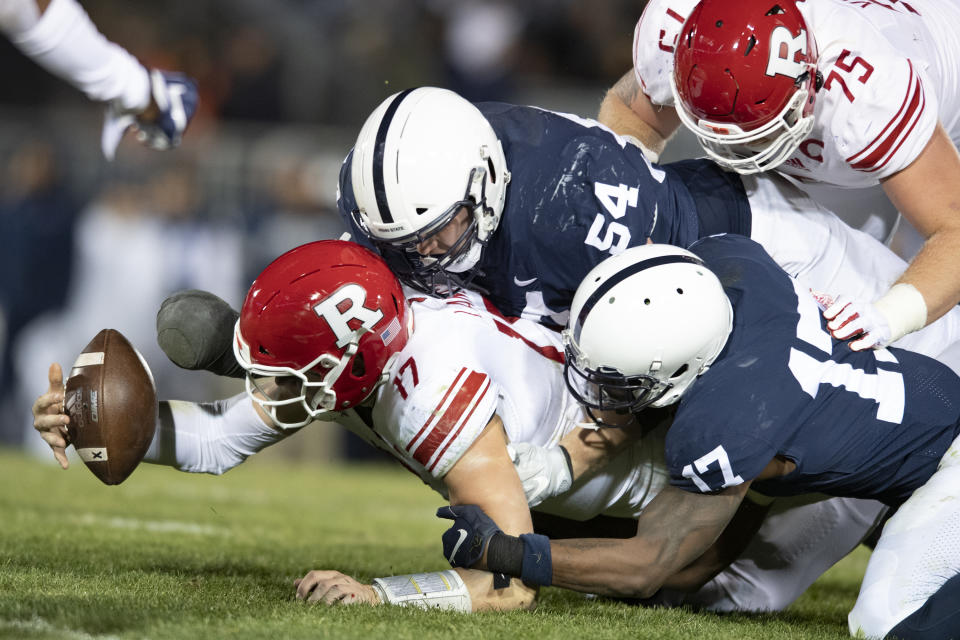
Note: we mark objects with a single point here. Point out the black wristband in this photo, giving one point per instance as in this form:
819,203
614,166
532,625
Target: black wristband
505,554
537,561
527,557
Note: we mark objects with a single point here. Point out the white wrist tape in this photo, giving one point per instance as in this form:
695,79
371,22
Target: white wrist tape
67,44
209,437
648,153
904,308
439,590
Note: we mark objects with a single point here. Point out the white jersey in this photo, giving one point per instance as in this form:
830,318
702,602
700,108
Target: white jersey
891,69
464,363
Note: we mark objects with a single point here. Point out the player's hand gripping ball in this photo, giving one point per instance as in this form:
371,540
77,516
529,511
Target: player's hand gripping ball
112,402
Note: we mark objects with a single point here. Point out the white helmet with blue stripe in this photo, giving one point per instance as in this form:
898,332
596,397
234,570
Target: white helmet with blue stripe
421,157
643,325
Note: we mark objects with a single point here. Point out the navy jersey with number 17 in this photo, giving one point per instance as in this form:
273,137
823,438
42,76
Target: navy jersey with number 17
868,424
578,194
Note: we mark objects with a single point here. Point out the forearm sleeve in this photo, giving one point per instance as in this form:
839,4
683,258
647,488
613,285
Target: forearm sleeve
209,437
66,43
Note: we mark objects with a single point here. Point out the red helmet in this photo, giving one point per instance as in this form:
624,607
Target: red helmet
744,80
330,313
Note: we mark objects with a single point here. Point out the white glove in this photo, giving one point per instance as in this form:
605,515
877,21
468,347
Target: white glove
544,471
859,319
877,324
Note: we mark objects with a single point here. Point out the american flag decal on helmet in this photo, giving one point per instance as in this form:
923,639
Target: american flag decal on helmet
391,332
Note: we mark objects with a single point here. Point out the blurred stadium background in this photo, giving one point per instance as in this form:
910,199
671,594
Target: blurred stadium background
285,86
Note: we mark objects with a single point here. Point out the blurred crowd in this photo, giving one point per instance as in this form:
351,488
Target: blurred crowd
284,88
324,61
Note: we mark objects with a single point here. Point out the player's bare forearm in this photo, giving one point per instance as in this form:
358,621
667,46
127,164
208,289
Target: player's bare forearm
334,588
628,111
927,193
616,114
483,597
591,448
935,271
725,550
484,475
674,530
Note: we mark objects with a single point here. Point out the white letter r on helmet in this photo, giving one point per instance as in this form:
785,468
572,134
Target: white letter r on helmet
338,314
786,65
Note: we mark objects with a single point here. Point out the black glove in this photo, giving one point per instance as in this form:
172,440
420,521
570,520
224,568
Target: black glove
472,533
195,330
467,538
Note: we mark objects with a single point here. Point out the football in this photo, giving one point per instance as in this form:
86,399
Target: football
111,399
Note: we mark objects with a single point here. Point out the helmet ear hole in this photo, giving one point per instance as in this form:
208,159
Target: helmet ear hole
491,171
679,372
358,368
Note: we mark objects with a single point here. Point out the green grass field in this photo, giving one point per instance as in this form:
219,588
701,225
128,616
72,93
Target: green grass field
175,555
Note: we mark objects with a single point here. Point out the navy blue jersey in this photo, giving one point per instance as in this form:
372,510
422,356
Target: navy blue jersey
869,424
577,195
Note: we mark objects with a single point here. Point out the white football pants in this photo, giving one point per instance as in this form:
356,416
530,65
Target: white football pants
917,553
795,545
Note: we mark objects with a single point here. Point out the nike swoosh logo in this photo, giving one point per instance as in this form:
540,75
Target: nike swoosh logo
522,283
456,547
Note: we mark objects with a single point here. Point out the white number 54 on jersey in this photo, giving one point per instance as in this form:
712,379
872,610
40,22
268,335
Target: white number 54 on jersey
615,199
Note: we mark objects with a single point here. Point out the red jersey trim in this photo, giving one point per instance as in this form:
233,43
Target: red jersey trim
436,411
451,419
463,423
881,149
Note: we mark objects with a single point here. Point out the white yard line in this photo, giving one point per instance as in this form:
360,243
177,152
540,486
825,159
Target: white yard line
155,526
39,625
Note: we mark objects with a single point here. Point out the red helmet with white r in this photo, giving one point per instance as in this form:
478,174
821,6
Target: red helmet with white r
329,314
745,79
